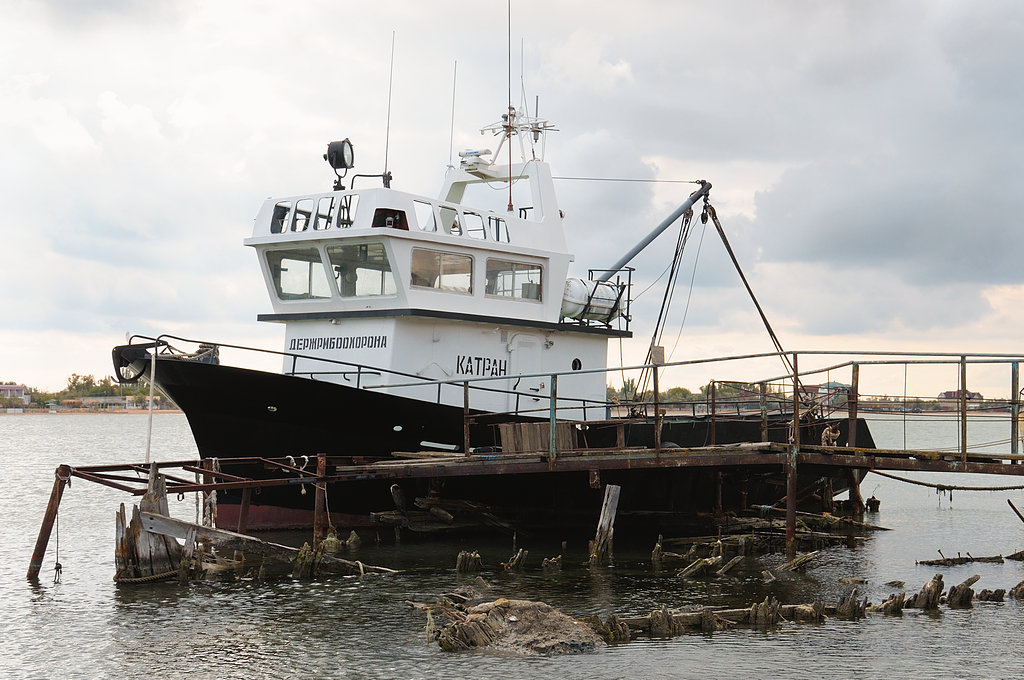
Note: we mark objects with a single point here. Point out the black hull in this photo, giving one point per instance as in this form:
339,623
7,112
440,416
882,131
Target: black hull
237,412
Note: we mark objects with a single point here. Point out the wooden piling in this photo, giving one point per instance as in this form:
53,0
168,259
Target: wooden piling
605,525
320,501
62,476
763,403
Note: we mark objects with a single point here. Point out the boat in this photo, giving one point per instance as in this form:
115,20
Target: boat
416,325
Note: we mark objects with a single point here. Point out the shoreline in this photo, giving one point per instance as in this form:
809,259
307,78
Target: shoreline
89,412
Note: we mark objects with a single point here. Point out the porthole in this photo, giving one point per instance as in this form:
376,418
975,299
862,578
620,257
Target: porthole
577,364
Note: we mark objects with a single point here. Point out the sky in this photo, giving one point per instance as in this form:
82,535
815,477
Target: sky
865,157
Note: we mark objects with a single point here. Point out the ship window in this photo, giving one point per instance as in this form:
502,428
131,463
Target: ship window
498,229
424,216
280,217
361,269
298,274
450,221
324,212
518,280
392,219
303,211
442,271
347,209
474,225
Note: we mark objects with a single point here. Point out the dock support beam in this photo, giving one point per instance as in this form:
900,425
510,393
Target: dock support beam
763,403
62,476
657,413
791,467
320,501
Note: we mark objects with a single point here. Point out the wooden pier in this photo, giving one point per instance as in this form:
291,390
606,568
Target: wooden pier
134,478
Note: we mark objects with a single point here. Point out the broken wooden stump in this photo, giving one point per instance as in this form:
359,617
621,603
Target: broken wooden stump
892,606
612,629
987,595
961,595
929,596
764,614
601,547
850,608
468,561
516,561
551,563
729,565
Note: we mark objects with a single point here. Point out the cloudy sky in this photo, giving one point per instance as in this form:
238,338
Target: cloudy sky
866,159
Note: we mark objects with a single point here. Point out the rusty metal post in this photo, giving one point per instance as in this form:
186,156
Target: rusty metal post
62,476
851,405
465,417
791,485
243,511
1014,409
657,414
763,403
320,502
714,410
963,408
553,420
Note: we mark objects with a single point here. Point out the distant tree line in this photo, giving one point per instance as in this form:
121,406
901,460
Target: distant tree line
79,386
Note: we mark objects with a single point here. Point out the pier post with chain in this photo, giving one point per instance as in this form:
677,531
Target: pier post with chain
62,477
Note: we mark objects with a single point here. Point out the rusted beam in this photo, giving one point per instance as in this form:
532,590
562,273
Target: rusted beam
851,405
243,512
320,502
62,477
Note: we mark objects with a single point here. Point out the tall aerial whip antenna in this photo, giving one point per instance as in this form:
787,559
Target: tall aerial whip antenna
451,133
387,132
511,109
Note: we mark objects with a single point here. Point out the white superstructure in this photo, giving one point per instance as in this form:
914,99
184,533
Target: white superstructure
437,289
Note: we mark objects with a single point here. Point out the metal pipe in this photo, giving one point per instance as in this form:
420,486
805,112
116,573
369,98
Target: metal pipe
705,187
1014,408
963,407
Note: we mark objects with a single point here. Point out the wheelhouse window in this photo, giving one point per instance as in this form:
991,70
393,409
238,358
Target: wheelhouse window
474,225
452,272
517,280
298,274
361,269
424,216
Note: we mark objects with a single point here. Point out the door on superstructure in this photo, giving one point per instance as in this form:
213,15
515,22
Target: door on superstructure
528,394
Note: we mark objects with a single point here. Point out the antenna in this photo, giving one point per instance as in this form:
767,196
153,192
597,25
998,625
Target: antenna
511,109
387,131
451,133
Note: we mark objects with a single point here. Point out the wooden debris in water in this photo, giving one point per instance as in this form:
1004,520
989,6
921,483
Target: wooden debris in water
962,595
700,567
468,561
551,563
516,561
892,606
799,563
601,546
959,559
518,625
850,608
929,596
987,595
1017,592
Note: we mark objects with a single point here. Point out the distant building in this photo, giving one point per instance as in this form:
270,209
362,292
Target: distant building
951,399
16,392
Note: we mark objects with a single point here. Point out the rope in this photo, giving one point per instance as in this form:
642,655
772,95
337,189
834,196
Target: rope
949,487
147,579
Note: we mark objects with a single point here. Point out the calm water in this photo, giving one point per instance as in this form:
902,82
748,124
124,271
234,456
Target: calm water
87,627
